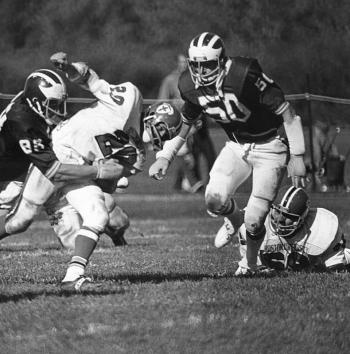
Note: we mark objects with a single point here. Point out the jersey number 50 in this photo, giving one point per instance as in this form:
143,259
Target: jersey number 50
225,110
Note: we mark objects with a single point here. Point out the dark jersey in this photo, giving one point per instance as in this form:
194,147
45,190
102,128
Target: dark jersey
24,139
249,107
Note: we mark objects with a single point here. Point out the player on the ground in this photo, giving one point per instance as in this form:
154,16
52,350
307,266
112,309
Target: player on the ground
251,108
25,149
298,237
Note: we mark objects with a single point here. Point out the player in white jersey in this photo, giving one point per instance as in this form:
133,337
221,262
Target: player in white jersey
298,238
108,128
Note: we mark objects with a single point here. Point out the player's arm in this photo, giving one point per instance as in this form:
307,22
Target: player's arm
294,131
167,154
272,97
79,73
37,147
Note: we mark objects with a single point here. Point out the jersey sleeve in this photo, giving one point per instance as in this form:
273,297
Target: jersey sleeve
270,94
191,109
35,143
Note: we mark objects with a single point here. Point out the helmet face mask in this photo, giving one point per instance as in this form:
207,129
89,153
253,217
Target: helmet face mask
162,122
45,93
288,216
206,59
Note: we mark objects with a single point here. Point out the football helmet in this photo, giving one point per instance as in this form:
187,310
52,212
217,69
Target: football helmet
206,58
289,214
46,94
162,121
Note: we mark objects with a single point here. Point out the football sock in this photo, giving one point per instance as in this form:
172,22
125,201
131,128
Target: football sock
253,246
235,215
84,246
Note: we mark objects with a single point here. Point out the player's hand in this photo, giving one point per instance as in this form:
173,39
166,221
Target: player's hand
297,171
59,60
159,168
110,169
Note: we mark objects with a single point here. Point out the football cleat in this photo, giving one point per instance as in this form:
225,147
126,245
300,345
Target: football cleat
79,285
225,234
249,272
244,272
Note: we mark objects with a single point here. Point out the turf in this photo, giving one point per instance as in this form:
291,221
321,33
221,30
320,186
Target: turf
168,291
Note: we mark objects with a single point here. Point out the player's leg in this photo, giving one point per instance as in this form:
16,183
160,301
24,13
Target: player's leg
89,202
229,171
269,161
35,192
64,219
118,221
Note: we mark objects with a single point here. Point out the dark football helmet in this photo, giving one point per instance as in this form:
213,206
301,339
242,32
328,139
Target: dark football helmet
46,94
162,121
206,58
289,214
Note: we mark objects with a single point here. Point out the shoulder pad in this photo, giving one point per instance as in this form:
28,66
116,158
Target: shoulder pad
320,228
238,73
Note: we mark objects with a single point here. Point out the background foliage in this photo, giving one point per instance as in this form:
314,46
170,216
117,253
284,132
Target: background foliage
137,40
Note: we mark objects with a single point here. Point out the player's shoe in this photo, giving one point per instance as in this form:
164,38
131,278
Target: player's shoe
249,272
80,285
225,234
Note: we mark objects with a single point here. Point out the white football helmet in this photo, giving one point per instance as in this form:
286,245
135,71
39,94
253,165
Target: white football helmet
206,58
46,94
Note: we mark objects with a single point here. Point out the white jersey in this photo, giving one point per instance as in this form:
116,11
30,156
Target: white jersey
86,137
318,239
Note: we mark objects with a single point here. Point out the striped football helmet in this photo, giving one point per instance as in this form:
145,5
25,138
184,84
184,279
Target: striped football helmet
46,94
206,58
289,213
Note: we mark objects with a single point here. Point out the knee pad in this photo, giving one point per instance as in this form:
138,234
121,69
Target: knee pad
118,219
89,202
97,221
255,215
218,203
19,219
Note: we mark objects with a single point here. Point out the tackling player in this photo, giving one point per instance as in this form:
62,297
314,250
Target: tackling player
25,149
251,108
297,238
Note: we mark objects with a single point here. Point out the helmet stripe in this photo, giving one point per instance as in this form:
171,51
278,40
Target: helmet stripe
49,75
213,41
201,39
286,196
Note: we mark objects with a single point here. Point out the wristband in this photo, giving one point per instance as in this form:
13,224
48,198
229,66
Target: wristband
170,148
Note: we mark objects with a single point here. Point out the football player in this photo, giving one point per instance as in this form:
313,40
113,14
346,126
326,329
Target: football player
110,127
25,149
297,238
66,221
252,109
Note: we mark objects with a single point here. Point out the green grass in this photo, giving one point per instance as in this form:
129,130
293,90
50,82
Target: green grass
168,291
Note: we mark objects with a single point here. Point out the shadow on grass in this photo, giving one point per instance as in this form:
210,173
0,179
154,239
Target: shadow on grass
119,284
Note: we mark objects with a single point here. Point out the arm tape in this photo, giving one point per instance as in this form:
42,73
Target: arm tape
295,135
170,148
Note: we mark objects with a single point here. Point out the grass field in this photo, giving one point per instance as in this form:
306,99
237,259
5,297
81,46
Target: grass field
168,291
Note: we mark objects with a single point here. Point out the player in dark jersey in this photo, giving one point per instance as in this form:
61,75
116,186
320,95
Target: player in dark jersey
252,110
25,145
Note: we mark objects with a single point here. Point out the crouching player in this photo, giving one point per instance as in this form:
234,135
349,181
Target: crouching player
297,238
